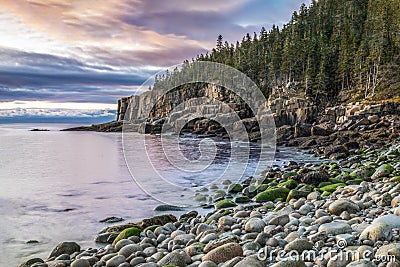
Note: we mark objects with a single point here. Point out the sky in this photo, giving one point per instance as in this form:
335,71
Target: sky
74,59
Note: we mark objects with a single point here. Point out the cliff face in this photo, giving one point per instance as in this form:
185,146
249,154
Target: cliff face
286,110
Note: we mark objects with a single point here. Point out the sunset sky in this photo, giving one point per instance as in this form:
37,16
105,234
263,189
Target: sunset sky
76,58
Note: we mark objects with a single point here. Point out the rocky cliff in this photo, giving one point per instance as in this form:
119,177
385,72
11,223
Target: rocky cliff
287,110
294,116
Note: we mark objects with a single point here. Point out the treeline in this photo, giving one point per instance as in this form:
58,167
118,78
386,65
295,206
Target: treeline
332,49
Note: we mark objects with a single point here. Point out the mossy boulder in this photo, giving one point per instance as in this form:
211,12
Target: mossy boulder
225,203
382,171
272,194
296,194
200,198
262,188
289,184
331,188
133,231
250,191
218,195
243,199
235,188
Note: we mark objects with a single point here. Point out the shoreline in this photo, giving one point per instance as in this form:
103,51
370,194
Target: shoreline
354,197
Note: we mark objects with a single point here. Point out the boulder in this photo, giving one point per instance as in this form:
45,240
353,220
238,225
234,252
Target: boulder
250,261
80,263
382,171
223,253
133,231
315,177
30,262
65,248
341,205
223,204
220,242
377,231
335,228
115,261
299,245
254,225
387,249
272,194
391,220
173,258
280,220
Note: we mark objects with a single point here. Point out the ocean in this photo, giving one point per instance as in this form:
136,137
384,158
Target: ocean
57,185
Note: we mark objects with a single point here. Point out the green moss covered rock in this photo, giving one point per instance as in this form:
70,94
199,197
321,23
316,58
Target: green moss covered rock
225,203
289,184
262,188
235,188
272,194
382,171
133,231
331,188
243,199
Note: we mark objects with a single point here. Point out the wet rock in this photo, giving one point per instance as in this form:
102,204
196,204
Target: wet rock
315,177
280,220
224,253
272,194
377,231
111,220
65,248
173,258
80,263
250,261
133,231
30,262
299,245
254,225
382,171
341,205
335,228
115,261
219,242
390,219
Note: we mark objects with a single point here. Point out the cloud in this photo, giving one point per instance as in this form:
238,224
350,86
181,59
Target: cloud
98,51
53,113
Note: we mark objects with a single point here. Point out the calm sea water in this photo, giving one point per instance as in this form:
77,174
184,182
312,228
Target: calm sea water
56,186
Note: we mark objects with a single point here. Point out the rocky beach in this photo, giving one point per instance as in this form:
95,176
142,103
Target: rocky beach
343,211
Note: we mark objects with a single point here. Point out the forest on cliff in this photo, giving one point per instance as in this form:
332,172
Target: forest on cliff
332,51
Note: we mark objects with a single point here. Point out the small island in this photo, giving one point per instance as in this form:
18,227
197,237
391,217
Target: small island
39,130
